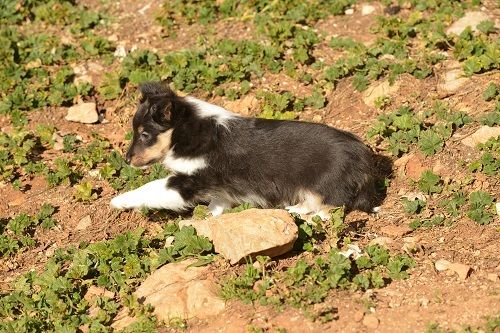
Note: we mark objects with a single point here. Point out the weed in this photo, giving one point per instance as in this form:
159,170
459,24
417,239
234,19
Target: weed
53,299
429,182
17,233
413,206
428,130
480,209
308,283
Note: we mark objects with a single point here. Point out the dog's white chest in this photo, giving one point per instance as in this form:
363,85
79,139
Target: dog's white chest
186,166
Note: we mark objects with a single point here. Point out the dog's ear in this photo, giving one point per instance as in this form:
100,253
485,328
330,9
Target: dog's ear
161,110
153,89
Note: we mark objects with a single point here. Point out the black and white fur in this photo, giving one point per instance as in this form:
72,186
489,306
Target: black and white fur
222,159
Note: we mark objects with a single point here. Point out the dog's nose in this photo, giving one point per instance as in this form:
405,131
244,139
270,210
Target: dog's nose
128,157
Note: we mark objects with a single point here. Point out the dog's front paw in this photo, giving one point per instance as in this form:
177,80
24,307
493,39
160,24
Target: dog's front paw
125,201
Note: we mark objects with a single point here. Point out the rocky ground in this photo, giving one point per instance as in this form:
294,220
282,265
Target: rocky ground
454,282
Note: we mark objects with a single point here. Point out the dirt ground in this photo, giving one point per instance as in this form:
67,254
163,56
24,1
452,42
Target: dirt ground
403,306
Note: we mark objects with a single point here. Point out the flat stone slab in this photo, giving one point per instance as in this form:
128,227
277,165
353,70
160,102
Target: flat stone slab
252,232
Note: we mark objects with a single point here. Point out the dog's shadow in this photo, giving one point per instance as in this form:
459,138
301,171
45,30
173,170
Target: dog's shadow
383,172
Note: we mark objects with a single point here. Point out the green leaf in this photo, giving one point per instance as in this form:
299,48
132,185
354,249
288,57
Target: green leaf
491,92
480,207
486,26
429,182
413,206
429,142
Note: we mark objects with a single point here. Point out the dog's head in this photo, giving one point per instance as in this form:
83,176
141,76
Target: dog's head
152,125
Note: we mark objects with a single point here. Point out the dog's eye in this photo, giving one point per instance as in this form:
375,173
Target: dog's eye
145,136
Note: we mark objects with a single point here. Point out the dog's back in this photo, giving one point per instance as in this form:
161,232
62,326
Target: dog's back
278,161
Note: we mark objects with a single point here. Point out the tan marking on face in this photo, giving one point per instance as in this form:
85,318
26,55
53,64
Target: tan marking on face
154,153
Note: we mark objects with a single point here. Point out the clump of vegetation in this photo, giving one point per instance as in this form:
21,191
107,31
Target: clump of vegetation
307,283
429,130
54,299
17,234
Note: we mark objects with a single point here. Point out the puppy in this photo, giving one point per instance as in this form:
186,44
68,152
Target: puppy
222,159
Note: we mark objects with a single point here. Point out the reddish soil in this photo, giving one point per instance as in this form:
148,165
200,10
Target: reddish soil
403,306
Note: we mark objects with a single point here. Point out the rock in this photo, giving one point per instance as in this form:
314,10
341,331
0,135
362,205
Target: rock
497,208
17,199
177,290
401,162
83,79
113,38
371,321
95,67
492,277
83,113
349,11
84,328
395,230
367,9
78,69
414,168
120,51
400,165
377,90
122,320
252,232
412,196
144,9
483,134
439,168
442,265
37,63
94,292
317,118
352,250
382,241
411,245
461,269
84,223
58,141
450,82
386,56
243,106
358,315
470,19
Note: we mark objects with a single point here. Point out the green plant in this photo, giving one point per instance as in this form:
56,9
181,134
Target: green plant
428,130
17,233
307,283
491,92
480,209
85,192
413,206
117,265
429,183
488,164
435,221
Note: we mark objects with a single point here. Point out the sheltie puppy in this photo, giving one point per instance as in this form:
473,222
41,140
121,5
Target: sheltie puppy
222,159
